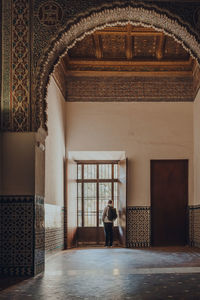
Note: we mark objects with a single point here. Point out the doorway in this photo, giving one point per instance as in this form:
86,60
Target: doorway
94,183
169,200
97,182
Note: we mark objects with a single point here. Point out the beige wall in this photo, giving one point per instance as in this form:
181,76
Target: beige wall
144,131
197,149
18,163
55,147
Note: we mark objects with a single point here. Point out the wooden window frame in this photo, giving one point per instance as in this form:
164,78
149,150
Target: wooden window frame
97,181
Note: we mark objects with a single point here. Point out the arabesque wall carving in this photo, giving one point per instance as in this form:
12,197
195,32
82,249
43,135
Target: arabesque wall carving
37,33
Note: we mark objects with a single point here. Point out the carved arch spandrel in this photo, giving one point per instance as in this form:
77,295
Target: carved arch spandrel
111,16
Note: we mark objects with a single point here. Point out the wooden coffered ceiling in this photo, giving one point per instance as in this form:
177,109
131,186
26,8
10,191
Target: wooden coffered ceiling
128,49
122,52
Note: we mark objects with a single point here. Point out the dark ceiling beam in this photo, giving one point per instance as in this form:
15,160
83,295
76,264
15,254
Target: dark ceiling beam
129,48
86,62
98,47
160,48
129,74
132,33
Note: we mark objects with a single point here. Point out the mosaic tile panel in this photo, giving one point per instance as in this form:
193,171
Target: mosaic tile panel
39,235
21,235
194,225
17,235
54,228
65,227
138,227
0,56
54,240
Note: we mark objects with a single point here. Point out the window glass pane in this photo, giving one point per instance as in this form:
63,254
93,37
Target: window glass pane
79,171
116,200
115,171
90,171
79,204
90,204
105,194
105,171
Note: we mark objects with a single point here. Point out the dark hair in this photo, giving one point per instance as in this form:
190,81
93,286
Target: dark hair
109,201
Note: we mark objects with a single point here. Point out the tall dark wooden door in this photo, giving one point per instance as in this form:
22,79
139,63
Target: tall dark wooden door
169,200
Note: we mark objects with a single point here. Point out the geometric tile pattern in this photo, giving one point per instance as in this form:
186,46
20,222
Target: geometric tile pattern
16,65
17,235
20,70
194,225
54,240
54,228
138,226
103,89
21,235
6,62
39,250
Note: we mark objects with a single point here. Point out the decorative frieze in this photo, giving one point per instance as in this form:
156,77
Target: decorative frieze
16,65
126,89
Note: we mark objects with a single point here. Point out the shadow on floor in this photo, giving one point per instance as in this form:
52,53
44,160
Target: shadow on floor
8,282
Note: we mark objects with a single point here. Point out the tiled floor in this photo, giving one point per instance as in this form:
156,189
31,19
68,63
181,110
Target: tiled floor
115,273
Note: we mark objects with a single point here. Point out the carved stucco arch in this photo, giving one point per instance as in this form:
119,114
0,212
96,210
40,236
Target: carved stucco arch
100,18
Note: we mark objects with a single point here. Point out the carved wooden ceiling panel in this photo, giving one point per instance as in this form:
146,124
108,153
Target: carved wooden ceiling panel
85,48
174,50
113,46
113,42
128,48
127,54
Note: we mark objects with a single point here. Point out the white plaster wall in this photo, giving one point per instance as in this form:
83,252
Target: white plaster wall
18,163
197,149
144,131
55,149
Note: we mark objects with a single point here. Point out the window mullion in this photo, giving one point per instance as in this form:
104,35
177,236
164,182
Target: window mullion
112,191
83,213
97,195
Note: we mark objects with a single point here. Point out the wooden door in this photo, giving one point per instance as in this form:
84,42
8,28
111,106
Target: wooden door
169,199
123,164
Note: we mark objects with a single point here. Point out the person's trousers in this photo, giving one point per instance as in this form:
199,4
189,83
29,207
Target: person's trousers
108,229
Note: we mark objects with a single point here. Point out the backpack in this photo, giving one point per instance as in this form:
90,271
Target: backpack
112,214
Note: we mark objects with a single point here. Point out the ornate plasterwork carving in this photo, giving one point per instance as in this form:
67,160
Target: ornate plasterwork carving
98,20
50,13
197,18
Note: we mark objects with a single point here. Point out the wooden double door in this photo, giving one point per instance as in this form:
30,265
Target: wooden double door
169,200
